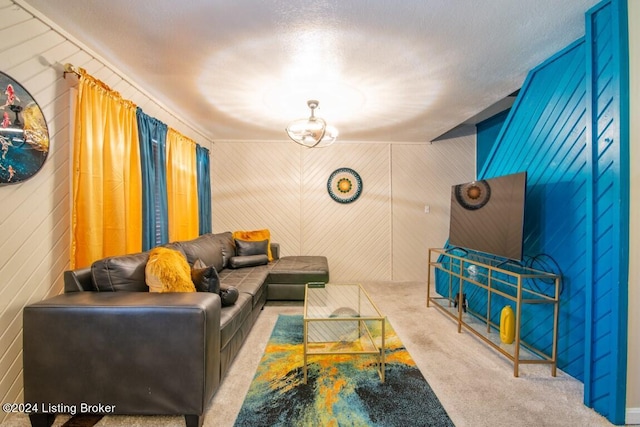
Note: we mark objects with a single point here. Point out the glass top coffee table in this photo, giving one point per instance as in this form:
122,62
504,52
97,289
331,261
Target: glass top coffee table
342,319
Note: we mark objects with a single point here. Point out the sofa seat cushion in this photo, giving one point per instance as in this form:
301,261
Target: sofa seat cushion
248,280
299,270
233,316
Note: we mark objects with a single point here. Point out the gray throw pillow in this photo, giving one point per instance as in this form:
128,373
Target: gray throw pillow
228,296
246,248
204,278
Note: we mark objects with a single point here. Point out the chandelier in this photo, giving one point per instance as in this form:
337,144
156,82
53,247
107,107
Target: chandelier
312,132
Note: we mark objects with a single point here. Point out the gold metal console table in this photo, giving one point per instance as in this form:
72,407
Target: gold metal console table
495,278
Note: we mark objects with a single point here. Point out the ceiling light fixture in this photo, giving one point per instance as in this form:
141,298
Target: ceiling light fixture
312,132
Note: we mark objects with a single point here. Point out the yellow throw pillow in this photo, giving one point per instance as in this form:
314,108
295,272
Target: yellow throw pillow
255,236
168,271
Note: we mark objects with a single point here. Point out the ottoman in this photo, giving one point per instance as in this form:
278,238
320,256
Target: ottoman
289,274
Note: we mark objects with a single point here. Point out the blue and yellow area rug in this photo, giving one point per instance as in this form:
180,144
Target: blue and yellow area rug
342,390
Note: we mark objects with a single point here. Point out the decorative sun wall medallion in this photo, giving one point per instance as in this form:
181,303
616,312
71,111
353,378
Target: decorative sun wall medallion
344,185
473,195
24,137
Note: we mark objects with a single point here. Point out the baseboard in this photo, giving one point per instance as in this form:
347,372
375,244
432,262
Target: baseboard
633,416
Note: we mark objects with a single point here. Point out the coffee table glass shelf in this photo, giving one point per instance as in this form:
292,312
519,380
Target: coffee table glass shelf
497,283
342,319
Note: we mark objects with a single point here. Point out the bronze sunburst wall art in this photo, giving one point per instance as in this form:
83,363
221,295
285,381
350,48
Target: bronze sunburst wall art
473,195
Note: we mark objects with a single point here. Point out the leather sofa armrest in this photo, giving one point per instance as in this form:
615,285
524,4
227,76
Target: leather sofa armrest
275,250
78,280
138,352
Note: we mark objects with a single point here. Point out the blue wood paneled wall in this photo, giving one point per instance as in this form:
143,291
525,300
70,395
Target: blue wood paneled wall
569,130
486,133
545,134
608,209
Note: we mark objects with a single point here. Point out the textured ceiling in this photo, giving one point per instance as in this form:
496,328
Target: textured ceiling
404,70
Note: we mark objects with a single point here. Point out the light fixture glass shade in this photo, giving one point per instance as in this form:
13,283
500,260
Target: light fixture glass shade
312,132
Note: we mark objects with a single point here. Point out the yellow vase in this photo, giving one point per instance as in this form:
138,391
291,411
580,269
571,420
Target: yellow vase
507,325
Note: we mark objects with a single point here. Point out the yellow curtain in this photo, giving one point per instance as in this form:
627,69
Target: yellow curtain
107,183
182,186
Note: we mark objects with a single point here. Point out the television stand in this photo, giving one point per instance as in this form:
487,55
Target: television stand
489,285
456,248
508,262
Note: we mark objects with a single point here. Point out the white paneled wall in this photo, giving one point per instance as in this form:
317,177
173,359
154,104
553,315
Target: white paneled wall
35,218
383,235
354,236
422,177
257,186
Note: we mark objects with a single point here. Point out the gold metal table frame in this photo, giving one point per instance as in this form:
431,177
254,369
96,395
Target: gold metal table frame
341,319
495,278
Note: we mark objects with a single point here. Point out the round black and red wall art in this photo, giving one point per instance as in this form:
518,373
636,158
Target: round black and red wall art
24,137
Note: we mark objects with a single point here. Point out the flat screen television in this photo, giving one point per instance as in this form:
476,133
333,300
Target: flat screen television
488,215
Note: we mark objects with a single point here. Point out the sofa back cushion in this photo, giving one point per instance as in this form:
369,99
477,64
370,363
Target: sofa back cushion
120,273
228,247
175,246
211,249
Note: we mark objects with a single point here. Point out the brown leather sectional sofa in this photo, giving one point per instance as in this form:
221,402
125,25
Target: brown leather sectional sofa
107,345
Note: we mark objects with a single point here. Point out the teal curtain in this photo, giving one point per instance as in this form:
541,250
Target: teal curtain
204,189
152,134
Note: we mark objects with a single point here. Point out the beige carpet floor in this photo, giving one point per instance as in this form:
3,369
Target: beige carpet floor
474,382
